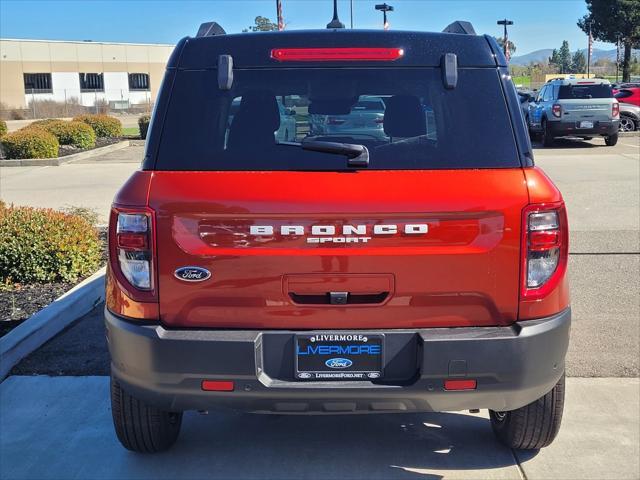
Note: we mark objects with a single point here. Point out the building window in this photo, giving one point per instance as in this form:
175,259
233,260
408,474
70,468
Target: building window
91,82
37,83
138,81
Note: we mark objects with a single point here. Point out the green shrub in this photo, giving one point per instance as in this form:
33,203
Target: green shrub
44,245
3,128
30,143
143,124
103,125
78,134
41,123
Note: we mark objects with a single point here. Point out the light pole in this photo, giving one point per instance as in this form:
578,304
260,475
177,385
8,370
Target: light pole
505,46
384,8
335,22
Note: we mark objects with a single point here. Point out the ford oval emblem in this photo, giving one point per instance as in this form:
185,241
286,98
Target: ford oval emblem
192,274
338,363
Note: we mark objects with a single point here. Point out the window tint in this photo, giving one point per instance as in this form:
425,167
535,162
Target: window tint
548,93
138,81
623,94
569,92
91,82
37,83
405,118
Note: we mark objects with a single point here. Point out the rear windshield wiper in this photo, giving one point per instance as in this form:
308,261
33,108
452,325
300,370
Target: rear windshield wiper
357,155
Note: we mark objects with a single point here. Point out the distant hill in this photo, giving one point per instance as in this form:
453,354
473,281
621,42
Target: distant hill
545,53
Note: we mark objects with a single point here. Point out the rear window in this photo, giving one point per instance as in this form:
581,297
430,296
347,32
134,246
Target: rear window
568,92
403,116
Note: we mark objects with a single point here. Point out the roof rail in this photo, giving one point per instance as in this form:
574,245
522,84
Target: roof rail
210,29
460,26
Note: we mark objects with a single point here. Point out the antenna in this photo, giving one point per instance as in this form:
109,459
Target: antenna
335,22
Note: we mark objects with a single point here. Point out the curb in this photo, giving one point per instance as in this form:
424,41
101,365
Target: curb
55,162
51,320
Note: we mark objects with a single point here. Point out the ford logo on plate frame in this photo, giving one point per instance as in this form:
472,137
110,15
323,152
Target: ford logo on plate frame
338,363
192,274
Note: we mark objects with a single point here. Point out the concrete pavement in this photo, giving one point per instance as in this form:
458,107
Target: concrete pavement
65,431
91,183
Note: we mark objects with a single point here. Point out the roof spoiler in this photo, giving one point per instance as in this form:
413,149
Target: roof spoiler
210,29
460,26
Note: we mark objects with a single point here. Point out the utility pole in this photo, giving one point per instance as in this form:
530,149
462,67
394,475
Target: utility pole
384,8
589,52
505,46
351,9
279,15
335,22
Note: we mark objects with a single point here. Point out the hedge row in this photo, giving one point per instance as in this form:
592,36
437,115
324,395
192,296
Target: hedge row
104,125
44,245
42,138
30,143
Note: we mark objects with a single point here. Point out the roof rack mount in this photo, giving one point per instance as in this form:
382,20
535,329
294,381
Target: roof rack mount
210,29
460,26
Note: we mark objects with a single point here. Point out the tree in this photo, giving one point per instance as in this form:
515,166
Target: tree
613,20
561,59
262,24
578,63
510,45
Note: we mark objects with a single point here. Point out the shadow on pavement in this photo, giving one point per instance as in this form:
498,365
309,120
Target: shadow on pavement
569,143
380,446
64,430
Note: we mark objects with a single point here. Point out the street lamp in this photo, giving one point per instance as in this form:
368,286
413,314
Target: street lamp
505,47
335,22
384,8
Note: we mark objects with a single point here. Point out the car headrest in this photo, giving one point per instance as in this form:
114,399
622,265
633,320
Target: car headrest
255,122
404,117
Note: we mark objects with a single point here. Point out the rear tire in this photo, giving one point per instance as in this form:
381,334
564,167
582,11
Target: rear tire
533,426
627,124
611,140
545,137
141,427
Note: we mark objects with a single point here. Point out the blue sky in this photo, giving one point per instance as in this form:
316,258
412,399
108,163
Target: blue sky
537,24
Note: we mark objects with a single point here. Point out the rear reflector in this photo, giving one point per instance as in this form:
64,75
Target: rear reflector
336,54
217,385
460,384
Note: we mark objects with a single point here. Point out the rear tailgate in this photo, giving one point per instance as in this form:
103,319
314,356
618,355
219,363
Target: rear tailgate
461,269
596,110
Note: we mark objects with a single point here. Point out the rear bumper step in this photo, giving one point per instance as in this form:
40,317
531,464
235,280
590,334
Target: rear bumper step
512,366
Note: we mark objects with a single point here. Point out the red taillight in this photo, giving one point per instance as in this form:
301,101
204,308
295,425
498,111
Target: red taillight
132,252
217,385
336,54
460,384
545,249
379,121
134,241
556,110
615,109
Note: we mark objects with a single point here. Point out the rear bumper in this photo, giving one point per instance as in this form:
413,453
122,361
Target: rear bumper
560,128
512,365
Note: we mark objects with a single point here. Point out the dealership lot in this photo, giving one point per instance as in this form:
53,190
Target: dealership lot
66,425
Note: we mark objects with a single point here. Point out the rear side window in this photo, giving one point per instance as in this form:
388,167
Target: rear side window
575,92
403,116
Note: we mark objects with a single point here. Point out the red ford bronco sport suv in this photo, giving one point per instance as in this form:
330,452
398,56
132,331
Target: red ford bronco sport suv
413,263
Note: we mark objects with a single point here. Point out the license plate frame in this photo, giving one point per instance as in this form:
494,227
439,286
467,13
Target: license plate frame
353,355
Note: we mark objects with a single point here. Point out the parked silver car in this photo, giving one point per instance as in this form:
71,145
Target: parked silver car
366,119
629,117
575,108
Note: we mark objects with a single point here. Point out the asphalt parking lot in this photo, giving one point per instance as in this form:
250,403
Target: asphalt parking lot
599,438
